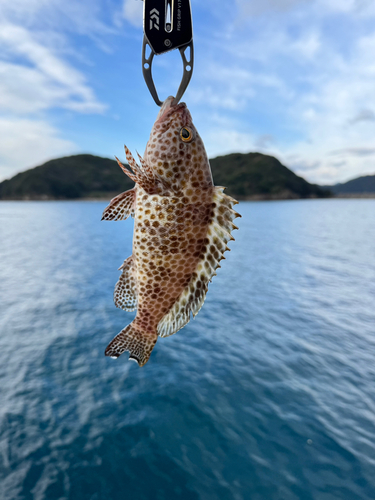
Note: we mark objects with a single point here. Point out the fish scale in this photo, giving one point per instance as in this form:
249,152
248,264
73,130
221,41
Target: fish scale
182,224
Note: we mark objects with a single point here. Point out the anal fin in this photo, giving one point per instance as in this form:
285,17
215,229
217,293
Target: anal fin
125,294
120,207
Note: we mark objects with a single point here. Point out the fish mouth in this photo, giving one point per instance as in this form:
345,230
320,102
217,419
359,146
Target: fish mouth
168,109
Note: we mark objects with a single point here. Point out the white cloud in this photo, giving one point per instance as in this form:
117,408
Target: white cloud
37,77
232,140
86,17
363,115
231,86
221,136
267,7
354,152
41,80
258,7
26,143
305,78
341,87
133,12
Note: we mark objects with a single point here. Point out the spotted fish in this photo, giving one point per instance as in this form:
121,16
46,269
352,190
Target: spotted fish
182,224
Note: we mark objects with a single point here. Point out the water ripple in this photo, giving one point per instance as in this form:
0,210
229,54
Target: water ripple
267,394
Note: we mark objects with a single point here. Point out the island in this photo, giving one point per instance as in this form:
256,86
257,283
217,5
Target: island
251,176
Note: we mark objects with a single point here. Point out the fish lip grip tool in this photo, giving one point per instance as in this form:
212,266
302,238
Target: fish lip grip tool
167,25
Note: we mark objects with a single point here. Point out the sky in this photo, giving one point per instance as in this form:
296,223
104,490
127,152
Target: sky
291,78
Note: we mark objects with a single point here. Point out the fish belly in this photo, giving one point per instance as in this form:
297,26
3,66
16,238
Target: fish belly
170,238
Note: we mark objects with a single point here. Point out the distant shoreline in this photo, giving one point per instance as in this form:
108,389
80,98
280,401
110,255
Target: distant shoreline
354,195
249,198
250,176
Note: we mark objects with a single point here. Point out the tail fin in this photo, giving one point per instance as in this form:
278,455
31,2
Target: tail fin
138,343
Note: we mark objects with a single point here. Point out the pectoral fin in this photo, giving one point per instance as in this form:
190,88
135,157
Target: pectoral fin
120,207
125,295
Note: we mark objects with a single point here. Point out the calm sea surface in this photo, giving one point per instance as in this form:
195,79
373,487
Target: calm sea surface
269,394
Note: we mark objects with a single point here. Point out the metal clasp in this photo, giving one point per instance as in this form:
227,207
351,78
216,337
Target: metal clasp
167,25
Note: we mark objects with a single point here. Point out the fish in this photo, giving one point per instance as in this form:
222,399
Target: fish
182,224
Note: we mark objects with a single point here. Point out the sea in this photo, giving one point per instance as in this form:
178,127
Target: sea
268,394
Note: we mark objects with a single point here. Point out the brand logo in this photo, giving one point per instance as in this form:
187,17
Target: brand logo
154,19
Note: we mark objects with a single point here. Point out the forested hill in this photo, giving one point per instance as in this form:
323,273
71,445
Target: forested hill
364,185
259,176
71,177
246,176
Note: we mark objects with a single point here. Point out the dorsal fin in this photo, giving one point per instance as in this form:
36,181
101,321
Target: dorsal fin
125,295
144,176
120,207
193,296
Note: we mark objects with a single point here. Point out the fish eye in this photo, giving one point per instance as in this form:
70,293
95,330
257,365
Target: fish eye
186,134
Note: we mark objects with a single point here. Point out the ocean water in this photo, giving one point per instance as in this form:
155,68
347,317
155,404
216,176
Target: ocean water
269,394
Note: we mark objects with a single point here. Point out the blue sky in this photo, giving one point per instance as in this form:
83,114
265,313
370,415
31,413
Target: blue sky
291,78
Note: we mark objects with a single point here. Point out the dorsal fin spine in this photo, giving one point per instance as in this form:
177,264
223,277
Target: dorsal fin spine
126,171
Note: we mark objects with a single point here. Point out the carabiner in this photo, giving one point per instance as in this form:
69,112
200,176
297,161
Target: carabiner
167,25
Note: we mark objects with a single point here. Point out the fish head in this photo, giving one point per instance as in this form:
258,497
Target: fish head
174,142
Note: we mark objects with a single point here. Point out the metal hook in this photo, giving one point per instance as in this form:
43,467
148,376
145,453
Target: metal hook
147,71
167,25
